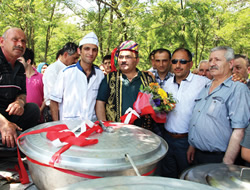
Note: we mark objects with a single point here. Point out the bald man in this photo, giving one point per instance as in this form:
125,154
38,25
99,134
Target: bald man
15,114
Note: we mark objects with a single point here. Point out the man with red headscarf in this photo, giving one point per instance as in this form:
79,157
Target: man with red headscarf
119,89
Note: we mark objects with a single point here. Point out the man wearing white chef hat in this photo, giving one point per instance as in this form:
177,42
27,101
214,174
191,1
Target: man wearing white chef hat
76,88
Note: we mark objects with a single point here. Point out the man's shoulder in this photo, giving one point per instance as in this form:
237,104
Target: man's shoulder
236,85
202,79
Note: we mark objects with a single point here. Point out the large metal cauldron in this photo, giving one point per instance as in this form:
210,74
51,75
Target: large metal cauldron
137,183
107,158
220,175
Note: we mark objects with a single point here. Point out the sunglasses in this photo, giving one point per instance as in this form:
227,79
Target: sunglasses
182,61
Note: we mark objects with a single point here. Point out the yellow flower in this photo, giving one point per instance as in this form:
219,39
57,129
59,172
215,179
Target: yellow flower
154,85
162,93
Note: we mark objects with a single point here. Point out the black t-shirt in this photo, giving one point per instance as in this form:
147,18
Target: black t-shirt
12,82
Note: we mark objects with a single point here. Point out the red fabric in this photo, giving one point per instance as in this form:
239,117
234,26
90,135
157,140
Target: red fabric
143,107
113,68
53,133
76,173
131,121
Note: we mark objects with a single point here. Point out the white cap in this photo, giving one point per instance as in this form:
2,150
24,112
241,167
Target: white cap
90,38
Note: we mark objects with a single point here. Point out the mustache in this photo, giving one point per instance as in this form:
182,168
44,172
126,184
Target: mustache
214,67
18,48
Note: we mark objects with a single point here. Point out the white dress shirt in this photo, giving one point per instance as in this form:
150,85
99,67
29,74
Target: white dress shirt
49,78
178,119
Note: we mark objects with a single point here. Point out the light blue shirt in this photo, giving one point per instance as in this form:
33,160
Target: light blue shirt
215,115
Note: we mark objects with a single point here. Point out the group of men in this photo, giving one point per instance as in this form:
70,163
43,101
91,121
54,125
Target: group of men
206,126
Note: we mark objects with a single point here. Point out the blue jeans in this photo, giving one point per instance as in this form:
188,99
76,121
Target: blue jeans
175,161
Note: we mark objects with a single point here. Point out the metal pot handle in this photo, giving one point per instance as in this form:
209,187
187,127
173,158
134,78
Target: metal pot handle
128,158
241,173
106,129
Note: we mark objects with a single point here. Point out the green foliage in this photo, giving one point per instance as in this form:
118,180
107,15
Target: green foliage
198,25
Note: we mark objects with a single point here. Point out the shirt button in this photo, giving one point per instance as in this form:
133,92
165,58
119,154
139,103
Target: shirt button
193,124
199,111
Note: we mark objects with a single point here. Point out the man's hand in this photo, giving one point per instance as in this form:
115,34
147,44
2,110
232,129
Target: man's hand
190,154
9,134
238,77
16,108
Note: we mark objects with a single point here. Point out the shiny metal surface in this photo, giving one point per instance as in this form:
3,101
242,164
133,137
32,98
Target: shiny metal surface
220,175
104,159
137,183
108,154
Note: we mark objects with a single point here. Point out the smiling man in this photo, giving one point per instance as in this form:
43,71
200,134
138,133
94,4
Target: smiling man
118,90
185,87
162,61
14,112
220,115
76,87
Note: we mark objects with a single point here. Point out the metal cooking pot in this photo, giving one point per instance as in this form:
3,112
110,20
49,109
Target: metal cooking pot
219,175
137,183
125,151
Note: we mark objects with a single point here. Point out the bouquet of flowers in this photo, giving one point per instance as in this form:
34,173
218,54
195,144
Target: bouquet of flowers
152,100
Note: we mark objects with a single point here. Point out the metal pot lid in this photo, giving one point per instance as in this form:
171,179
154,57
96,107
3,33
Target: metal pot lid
220,175
137,183
143,146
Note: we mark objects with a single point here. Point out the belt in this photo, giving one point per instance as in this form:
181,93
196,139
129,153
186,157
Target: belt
177,135
210,153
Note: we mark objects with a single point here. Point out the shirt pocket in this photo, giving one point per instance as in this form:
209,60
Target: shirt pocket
216,107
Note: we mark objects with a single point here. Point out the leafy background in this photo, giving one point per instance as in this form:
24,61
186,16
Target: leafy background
198,25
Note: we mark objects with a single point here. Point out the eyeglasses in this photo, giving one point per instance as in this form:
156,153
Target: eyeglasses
182,61
127,57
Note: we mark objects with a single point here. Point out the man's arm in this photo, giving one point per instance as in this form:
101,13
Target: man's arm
17,107
233,148
8,131
54,108
190,154
245,153
100,110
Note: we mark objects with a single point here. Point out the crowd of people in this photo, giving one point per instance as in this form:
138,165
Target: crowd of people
210,123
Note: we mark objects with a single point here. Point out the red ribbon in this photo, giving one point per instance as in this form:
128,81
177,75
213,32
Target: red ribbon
77,173
53,133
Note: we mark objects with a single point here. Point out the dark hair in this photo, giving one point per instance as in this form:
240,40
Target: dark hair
237,56
150,55
186,50
161,50
58,53
70,48
29,54
106,57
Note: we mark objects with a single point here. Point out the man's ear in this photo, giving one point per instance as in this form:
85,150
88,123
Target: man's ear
191,64
231,64
28,61
65,54
1,40
137,60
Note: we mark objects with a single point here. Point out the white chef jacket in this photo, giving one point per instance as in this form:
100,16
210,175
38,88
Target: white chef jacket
75,95
49,79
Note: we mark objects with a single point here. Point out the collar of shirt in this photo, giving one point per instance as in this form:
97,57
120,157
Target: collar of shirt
81,69
227,82
189,78
158,79
59,61
138,75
